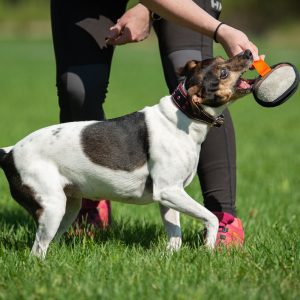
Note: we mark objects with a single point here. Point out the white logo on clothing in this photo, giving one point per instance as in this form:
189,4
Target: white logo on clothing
217,5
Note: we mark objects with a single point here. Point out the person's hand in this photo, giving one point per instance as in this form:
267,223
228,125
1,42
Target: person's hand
133,26
235,41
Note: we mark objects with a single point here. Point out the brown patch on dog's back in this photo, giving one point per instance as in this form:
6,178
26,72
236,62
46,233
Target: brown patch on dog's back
118,144
22,193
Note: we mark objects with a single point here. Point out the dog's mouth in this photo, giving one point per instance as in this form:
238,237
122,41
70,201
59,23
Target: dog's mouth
244,86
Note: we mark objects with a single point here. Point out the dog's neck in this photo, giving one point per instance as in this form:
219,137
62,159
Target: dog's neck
208,115
195,129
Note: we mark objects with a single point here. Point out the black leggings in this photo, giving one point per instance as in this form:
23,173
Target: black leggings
83,74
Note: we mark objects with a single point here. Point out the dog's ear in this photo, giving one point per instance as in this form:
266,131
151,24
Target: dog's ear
194,94
190,65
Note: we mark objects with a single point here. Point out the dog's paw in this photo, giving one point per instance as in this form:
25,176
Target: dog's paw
210,244
212,227
174,244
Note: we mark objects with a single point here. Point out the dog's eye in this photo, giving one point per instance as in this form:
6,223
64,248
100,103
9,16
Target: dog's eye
224,73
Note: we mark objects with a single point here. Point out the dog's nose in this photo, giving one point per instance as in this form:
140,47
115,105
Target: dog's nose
248,54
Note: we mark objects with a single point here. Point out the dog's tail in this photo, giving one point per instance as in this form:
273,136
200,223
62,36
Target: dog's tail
3,154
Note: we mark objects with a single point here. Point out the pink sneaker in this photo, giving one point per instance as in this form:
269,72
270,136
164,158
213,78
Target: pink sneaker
95,213
230,232
104,210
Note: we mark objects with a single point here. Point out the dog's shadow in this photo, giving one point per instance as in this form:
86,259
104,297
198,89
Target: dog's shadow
17,229
18,232
138,234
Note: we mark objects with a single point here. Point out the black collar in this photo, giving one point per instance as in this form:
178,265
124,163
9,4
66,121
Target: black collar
179,98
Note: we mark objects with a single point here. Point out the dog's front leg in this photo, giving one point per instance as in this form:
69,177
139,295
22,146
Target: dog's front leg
171,219
178,199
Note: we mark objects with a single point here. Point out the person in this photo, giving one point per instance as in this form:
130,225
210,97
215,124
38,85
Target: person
185,31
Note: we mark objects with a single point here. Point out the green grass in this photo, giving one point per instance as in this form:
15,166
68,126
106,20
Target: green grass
129,261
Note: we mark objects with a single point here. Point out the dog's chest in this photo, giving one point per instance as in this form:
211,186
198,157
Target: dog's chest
173,154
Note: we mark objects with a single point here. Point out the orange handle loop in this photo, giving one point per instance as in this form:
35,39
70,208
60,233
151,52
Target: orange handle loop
261,67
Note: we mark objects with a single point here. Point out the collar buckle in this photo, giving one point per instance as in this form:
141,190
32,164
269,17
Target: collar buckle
218,121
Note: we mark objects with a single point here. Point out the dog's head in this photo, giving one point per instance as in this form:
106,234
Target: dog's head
215,82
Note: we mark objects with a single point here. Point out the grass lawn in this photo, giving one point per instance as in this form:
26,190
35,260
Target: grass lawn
129,261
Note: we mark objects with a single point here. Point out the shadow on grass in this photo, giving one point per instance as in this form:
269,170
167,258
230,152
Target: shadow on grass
18,231
137,234
11,217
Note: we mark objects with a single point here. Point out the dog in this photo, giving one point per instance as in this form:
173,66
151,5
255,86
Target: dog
144,157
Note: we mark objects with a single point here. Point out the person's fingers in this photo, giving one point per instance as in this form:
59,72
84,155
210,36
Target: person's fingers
235,50
114,31
254,47
250,47
262,57
122,39
254,51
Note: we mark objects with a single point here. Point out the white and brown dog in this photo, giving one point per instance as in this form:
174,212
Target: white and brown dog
144,157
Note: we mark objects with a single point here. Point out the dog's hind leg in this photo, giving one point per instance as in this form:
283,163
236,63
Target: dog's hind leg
178,199
72,209
171,219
